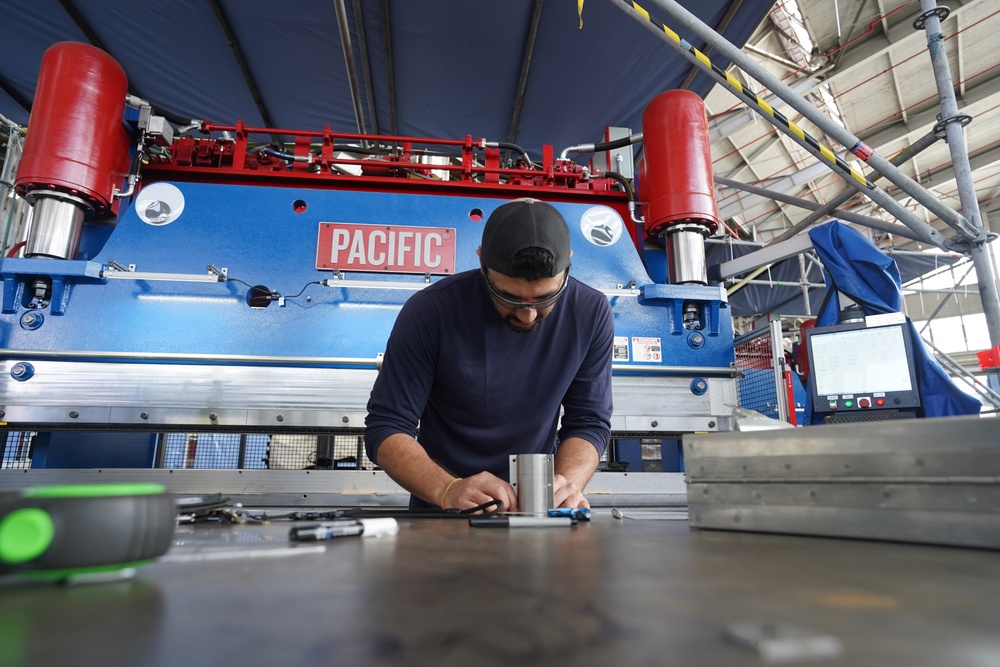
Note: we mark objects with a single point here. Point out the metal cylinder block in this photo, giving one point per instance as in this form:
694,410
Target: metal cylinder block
76,142
533,478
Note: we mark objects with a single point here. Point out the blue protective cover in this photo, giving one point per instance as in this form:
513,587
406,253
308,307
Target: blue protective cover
854,266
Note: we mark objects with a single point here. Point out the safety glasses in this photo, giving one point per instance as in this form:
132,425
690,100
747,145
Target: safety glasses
511,304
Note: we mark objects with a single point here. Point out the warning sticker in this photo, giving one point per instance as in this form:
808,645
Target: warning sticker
647,349
621,349
863,150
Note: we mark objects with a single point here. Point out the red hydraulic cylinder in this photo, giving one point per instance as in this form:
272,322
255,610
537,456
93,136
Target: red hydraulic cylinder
76,143
676,187
676,170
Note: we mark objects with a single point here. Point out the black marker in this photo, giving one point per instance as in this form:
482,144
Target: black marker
522,522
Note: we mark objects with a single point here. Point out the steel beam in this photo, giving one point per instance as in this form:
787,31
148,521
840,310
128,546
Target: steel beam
767,255
780,184
874,223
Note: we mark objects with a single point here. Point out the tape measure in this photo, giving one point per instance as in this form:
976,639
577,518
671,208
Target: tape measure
58,532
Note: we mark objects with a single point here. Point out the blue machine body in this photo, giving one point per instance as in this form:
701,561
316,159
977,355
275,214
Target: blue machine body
169,351
257,237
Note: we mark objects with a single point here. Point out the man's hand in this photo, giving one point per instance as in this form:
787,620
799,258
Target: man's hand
568,494
576,460
480,488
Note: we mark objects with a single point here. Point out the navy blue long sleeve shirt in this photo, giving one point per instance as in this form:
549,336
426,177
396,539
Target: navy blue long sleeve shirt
481,391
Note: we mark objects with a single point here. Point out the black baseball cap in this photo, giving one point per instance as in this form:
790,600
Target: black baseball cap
520,224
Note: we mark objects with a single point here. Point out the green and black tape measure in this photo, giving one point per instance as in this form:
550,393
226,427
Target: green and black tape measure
63,531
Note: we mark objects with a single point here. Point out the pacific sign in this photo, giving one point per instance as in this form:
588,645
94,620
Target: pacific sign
385,248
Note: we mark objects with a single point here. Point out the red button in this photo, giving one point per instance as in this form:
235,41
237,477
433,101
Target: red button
865,402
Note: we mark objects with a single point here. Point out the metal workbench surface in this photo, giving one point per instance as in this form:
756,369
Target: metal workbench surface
631,591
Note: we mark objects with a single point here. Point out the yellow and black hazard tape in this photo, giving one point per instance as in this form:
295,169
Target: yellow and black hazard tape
862,150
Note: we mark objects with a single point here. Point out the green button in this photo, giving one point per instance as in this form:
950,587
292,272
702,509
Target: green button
25,534
848,404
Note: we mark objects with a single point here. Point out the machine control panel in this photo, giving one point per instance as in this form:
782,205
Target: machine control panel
858,402
862,371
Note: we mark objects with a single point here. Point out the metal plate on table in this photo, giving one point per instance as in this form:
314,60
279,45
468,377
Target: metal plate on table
933,481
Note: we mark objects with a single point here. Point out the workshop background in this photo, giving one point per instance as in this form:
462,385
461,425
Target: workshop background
212,211
531,73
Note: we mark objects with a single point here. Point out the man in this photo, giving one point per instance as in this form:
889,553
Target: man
484,359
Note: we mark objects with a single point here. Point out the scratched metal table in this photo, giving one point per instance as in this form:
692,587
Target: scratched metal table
632,591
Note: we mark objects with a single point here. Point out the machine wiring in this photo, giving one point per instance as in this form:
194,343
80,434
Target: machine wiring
275,295
312,157
304,288
216,509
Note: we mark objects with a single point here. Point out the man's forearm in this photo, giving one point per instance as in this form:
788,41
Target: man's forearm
576,460
408,464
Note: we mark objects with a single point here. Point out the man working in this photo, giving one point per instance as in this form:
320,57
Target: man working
484,359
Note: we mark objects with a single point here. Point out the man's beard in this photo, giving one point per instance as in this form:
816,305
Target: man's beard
517,326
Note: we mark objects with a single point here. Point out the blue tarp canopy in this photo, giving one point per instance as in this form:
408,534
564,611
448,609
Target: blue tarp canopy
435,68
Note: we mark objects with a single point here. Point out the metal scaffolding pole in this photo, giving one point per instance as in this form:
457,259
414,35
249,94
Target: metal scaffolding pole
848,172
830,207
874,223
930,20
861,150
803,276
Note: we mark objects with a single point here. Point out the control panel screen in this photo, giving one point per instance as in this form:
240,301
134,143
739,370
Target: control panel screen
861,361
854,367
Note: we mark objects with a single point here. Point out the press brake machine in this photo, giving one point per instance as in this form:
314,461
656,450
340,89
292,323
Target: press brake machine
172,282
